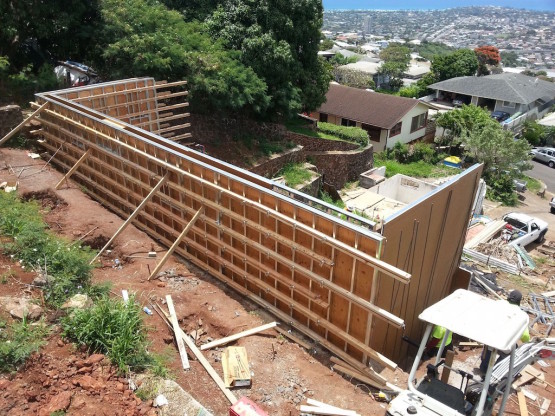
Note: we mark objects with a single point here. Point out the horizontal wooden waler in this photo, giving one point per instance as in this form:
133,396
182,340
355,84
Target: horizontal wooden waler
313,270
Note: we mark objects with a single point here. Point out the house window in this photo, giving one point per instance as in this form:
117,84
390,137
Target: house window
373,132
396,129
508,104
348,123
323,117
418,122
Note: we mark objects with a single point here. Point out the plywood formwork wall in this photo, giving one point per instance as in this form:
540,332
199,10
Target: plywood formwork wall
309,268
426,240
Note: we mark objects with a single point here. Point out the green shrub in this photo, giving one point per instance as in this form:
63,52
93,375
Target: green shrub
424,152
111,327
501,188
18,341
352,134
66,265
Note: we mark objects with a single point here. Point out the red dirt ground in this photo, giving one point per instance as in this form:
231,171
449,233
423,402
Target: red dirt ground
284,374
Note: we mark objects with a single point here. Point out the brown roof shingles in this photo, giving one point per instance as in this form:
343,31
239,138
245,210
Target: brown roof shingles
380,110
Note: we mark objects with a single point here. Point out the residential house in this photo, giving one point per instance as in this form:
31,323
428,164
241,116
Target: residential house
388,119
521,96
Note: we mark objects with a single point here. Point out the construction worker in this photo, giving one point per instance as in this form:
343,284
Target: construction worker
514,298
434,342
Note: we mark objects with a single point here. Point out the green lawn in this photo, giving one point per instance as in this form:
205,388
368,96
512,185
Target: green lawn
297,125
416,169
295,174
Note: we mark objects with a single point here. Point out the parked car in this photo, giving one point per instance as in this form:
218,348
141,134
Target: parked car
544,154
500,116
522,229
552,205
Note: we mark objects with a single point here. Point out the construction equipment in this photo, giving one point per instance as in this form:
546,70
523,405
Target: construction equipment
494,323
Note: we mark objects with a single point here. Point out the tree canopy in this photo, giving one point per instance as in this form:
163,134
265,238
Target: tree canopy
258,57
460,63
396,59
487,56
279,40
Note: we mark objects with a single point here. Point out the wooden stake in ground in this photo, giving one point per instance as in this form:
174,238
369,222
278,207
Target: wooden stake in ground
175,244
132,216
73,169
246,333
20,125
178,338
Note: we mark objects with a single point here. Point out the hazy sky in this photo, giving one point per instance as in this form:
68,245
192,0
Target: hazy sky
436,4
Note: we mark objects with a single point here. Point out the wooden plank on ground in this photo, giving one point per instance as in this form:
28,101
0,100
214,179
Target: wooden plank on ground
358,376
315,410
236,367
293,338
204,362
231,338
178,338
545,406
522,403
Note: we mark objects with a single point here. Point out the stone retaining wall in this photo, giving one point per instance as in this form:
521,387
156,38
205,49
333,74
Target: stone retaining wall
339,162
10,116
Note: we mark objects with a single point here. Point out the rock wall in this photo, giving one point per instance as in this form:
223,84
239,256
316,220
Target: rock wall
10,116
339,162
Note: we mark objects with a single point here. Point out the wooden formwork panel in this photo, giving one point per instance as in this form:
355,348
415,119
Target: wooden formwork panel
426,240
310,269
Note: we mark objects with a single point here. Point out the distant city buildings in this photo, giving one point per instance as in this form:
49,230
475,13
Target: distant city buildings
530,34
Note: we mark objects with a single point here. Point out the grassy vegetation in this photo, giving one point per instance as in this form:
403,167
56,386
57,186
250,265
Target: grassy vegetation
415,169
66,265
114,328
295,174
297,125
324,196
18,341
532,184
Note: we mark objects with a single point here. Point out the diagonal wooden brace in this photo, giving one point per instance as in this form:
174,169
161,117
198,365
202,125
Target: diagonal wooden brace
175,244
20,125
73,169
132,216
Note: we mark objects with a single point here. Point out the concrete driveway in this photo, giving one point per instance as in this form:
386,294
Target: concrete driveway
532,205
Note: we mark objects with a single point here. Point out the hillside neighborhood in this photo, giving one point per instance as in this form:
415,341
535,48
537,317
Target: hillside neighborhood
259,210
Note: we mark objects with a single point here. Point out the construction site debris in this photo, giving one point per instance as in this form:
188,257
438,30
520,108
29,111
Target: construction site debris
235,337
178,338
246,407
198,354
319,408
293,338
236,367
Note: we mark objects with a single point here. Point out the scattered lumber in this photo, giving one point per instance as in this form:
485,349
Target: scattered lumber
178,338
544,406
358,376
360,369
236,367
198,354
226,340
293,338
522,403
323,405
332,411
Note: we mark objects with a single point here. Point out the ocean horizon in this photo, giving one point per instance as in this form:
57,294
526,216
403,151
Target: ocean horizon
538,5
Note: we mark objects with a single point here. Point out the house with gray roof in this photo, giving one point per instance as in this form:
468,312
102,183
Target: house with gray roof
521,96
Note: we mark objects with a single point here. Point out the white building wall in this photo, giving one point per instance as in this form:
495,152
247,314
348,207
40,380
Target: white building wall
406,136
